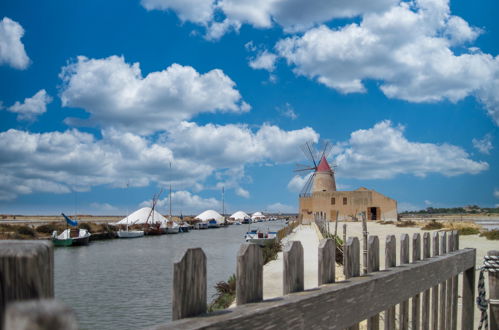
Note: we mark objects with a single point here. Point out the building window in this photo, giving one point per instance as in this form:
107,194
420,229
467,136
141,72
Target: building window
344,201
333,200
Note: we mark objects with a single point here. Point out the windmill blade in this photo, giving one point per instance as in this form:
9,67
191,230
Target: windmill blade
308,185
326,149
302,168
312,154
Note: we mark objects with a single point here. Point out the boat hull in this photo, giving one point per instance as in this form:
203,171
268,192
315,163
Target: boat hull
62,242
79,241
175,230
130,233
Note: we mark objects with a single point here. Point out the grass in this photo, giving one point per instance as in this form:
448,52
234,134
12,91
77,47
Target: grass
226,293
491,234
464,227
270,251
385,222
406,223
433,225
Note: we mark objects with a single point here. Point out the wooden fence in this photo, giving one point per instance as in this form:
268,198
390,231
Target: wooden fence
430,282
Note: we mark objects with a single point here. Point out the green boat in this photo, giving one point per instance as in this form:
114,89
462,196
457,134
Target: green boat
71,237
62,242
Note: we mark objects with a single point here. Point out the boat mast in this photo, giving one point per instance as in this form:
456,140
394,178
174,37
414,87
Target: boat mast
170,194
223,202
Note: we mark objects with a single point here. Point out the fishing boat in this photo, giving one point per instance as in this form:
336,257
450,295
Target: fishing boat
129,233
185,227
213,224
201,225
172,227
260,237
71,236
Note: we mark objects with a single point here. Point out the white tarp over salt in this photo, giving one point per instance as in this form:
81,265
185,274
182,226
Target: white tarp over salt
209,215
239,215
257,215
140,217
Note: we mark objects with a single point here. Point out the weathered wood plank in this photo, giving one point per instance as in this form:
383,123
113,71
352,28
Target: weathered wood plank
425,311
494,294
390,261
434,290
449,283
373,266
43,314
189,285
26,271
404,305
327,261
416,304
249,274
352,266
293,272
344,244
468,298
455,284
443,286
327,307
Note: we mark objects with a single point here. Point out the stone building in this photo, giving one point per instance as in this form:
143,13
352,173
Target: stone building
325,202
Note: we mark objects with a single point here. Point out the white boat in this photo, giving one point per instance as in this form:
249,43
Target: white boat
260,237
172,227
201,225
71,237
130,233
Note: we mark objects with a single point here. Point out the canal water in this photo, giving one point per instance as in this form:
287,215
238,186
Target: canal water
126,283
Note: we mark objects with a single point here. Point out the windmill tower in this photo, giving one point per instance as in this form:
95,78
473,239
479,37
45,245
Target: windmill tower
322,177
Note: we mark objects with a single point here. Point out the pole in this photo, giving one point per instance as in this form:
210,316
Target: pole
170,195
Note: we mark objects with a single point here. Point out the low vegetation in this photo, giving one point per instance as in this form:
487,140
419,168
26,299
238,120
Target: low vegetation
270,251
464,227
385,222
491,234
470,209
226,293
406,223
433,225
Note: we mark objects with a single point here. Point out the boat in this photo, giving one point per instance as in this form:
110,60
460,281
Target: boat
184,227
213,224
130,233
71,236
152,227
260,237
201,225
172,227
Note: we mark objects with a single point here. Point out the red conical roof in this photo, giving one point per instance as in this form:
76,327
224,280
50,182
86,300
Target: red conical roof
323,165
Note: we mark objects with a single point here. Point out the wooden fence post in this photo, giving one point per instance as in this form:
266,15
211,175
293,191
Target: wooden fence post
404,305
450,283
455,283
327,261
390,261
425,312
189,285
43,314
249,274
434,290
373,266
26,271
344,246
468,300
416,305
443,285
293,277
494,295
352,264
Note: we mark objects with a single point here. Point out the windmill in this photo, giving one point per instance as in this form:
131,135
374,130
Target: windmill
322,175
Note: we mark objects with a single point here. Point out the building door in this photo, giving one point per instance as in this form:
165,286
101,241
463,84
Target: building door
373,213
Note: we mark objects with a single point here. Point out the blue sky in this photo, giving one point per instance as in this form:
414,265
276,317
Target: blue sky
98,98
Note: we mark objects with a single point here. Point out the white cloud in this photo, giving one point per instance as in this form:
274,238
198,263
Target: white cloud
281,208
32,106
406,48
496,193
11,48
233,145
483,145
384,152
115,94
297,183
287,111
264,60
219,16
186,203
242,192
60,162
102,207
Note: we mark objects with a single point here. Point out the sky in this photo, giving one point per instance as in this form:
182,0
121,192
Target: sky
105,103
